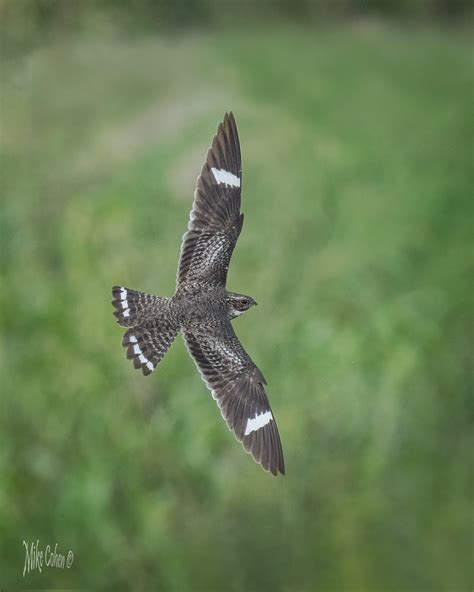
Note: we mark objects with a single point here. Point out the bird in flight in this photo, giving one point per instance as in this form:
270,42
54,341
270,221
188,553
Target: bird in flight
202,308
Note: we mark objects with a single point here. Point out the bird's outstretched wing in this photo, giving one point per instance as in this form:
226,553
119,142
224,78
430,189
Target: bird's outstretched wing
215,220
237,386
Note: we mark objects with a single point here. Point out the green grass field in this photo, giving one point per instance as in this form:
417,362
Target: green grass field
357,147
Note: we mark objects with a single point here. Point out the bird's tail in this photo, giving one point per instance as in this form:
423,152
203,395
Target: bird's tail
134,308
152,326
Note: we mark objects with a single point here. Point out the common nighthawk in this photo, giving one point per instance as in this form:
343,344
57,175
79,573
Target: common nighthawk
202,308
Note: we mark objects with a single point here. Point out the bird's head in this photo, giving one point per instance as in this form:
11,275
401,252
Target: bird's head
238,303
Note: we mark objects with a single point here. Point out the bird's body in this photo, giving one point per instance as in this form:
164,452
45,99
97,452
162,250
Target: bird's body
202,308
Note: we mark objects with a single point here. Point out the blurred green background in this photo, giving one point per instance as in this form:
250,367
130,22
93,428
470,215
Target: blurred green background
356,129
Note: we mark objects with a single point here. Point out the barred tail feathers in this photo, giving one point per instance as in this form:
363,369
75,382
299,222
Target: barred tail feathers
147,344
134,308
151,325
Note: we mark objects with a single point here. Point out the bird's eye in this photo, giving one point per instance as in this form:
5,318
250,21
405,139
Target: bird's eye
245,301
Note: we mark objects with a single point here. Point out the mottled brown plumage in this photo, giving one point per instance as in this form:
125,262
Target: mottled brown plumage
202,308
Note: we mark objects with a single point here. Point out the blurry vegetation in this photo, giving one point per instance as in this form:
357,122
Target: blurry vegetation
357,193
28,21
